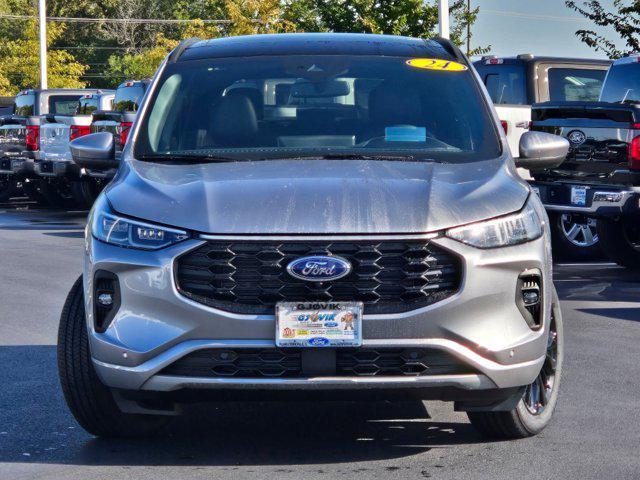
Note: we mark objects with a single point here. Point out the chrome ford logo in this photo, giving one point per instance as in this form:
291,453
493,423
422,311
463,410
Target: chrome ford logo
576,138
319,268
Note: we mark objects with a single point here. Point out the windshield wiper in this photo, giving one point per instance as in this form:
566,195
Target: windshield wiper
185,158
359,156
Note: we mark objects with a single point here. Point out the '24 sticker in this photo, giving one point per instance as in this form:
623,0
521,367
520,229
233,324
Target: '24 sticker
436,64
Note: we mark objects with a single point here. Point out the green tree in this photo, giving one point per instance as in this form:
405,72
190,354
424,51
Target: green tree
624,19
20,63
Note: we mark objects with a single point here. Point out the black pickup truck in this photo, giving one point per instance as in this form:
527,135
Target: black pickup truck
601,175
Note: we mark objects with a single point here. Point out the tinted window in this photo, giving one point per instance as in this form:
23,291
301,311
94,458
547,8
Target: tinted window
575,84
87,105
622,84
63,104
24,105
128,98
305,106
506,83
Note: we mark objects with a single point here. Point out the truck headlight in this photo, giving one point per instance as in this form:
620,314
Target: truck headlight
511,229
115,229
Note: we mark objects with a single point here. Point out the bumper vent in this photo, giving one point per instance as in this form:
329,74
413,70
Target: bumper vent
288,363
251,277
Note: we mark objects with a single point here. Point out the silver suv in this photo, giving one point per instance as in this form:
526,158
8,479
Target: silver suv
315,215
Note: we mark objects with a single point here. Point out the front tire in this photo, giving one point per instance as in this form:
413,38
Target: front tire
621,241
534,411
89,400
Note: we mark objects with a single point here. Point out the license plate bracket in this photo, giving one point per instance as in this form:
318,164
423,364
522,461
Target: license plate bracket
579,196
319,324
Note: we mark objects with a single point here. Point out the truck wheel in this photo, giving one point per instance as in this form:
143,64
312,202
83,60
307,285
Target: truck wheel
8,187
534,411
89,400
57,194
574,236
621,241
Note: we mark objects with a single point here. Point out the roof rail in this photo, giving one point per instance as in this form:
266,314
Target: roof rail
450,47
184,44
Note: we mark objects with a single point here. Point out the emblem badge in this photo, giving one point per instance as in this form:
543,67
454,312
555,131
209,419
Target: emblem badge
319,268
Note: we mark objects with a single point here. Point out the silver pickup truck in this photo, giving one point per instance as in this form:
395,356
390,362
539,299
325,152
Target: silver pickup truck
54,161
20,138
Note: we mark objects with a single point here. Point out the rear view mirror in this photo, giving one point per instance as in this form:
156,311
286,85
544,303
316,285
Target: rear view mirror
540,151
94,151
324,89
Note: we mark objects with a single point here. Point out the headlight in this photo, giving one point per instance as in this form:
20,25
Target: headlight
512,229
112,228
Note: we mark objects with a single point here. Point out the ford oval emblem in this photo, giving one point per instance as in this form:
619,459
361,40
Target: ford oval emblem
318,342
319,268
576,138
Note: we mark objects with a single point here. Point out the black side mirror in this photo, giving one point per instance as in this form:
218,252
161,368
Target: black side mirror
94,151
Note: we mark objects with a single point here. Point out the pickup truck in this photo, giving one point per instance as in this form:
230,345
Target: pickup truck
118,121
54,158
514,84
601,175
20,137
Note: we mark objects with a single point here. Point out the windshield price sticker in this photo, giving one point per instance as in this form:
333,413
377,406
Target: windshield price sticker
436,64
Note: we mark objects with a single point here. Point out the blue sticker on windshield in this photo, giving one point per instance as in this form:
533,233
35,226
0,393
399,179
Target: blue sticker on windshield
405,134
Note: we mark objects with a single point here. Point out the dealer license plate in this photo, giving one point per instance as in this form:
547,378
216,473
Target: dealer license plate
579,196
319,324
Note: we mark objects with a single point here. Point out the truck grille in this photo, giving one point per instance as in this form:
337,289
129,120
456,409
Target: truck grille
251,277
288,363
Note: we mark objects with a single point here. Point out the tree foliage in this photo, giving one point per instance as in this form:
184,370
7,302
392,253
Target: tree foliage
624,19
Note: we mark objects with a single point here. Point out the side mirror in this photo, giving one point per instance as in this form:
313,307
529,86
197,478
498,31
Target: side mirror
540,150
94,151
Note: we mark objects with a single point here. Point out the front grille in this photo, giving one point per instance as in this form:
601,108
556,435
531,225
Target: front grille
288,363
251,277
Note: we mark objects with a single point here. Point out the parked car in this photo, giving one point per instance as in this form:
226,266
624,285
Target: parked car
349,223
118,122
54,160
601,176
515,83
20,137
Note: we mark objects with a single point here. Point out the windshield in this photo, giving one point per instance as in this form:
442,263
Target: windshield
305,106
622,84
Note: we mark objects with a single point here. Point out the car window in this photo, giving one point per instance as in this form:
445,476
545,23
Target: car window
622,84
128,98
506,84
24,105
63,104
87,105
283,106
575,84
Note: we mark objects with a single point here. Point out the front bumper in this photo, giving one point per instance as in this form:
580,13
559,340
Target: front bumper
56,168
479,325
600,201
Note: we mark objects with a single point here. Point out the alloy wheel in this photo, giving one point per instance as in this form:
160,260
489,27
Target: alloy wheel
579,229
538,395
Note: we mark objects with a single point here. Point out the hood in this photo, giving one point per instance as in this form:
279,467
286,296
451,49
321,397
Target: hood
316,196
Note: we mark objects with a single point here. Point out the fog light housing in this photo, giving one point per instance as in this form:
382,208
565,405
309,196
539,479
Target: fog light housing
529,298
106,294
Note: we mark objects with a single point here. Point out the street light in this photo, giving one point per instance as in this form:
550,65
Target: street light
42,15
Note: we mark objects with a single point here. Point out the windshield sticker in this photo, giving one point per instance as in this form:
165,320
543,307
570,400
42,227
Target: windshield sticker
436,64
405,133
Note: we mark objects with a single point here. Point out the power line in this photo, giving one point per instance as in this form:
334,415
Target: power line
533,16
117,20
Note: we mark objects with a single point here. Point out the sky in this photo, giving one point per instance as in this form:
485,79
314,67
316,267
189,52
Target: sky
541,27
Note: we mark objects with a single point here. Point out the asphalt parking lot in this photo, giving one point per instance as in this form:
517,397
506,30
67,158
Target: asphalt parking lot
595,434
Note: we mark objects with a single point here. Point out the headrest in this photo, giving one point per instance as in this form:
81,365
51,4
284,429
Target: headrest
234,122
395,104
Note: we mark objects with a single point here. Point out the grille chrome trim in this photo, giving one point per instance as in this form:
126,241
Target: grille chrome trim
249,277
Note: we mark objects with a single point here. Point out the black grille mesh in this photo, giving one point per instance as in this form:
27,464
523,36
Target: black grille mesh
251,277
288,363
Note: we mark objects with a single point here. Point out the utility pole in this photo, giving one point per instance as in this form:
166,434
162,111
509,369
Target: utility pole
42,14
443,18
468,28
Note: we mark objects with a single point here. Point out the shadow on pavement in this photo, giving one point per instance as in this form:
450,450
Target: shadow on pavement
597,282
36,427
